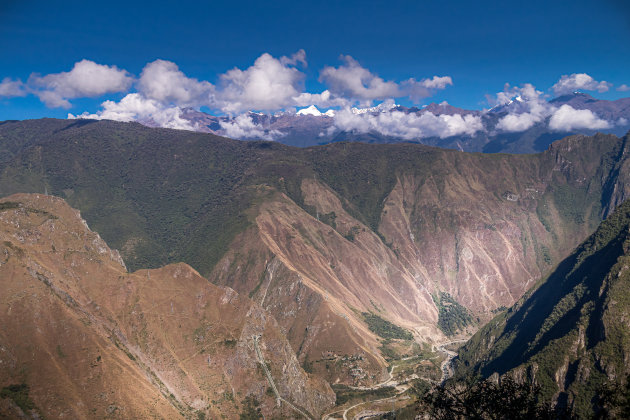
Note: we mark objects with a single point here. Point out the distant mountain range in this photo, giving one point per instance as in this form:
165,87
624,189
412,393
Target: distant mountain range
310,126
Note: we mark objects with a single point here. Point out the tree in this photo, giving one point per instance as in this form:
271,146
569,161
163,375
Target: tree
488,400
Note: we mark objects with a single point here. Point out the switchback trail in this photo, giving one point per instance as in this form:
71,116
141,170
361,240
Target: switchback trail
279,399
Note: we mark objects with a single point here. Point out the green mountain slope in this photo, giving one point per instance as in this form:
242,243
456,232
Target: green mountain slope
570,332
156,193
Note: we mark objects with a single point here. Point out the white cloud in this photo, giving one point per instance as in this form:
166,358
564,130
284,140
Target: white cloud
527,107
270,84
243,127
11,88
623,88
408,126
324,100
437,82
579,81
527,93
86,79
163,81
135,107
566,118
518,122
298,57
356,83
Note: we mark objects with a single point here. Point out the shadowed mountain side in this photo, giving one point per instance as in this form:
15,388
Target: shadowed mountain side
569,333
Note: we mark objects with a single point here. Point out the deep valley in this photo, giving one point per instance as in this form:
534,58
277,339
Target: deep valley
328,276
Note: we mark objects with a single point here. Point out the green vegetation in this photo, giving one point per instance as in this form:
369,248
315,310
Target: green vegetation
9,205
506,399
346,394
230,342
560,323
251,409
60,352
384,328
452,317
162,196
18,393
307,366
354,230
387,351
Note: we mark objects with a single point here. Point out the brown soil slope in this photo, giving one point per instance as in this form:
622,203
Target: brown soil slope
93,341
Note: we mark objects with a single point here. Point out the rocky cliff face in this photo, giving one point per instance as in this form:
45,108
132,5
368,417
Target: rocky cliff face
570,332
90,339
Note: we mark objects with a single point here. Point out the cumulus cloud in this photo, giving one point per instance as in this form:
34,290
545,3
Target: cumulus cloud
579,81
243,127
566,118
163,81
518,122
408,125
86,79
352,80
623,88
270,84
11,88
324,99
437,82
135,107
530,107
356,83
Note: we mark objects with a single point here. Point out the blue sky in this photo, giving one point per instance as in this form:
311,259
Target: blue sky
480,45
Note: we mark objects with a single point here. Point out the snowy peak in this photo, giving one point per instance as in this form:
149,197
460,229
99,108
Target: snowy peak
382,107
312,110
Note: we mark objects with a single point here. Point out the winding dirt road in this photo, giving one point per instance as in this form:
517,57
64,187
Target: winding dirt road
446,373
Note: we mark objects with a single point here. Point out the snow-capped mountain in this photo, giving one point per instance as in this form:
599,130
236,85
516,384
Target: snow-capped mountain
310,126
312,110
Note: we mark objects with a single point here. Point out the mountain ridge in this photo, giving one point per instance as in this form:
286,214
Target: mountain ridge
342,230
568,333
307,130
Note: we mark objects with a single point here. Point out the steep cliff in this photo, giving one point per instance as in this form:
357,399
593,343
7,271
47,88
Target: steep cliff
569,333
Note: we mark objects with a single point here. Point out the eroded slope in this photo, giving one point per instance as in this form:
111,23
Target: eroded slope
91,339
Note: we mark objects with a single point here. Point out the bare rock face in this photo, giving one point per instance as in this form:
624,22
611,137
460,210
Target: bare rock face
90,339
318,280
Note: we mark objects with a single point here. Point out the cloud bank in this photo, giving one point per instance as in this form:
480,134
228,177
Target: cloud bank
408,125
566,118
579,81
11,88
159,95
135,107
